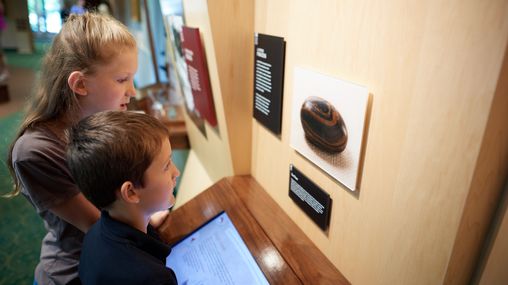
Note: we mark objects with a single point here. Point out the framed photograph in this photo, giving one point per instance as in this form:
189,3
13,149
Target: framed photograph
328,121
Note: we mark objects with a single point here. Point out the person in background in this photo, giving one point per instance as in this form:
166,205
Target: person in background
122,162
65,8
78,8
89,68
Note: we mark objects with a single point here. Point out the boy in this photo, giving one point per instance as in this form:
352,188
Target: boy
121,161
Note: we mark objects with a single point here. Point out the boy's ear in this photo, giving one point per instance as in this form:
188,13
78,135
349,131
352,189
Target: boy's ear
76,82
128,193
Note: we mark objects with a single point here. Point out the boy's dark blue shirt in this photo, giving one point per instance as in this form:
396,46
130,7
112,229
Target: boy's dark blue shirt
116,253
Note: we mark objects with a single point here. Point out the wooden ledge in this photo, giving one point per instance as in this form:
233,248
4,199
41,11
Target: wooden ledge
284,253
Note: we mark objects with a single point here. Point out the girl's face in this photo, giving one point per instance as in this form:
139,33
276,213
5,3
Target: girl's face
159,182
112,85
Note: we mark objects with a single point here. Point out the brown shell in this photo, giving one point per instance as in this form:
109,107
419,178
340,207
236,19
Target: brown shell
323,125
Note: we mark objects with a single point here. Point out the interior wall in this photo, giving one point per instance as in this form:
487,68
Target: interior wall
227,34
490,174
432,69
193,180
212,150
492,269
232,23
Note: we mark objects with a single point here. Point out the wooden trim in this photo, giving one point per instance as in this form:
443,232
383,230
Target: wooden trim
486,188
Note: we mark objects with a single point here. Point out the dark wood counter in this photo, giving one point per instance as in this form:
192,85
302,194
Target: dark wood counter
282,250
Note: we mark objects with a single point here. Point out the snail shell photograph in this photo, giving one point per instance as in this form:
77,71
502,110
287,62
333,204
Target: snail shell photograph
327,123
323,125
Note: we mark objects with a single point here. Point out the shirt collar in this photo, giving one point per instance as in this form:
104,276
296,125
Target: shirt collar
149,242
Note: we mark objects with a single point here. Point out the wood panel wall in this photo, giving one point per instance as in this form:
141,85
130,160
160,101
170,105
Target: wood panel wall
432,69
212,150
227,33
492,268
485,191
435,154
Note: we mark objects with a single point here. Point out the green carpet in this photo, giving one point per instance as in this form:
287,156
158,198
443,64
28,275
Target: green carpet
13,58
21,229
8,127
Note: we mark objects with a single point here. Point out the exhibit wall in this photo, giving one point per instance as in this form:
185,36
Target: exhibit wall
491,269
434,155
227,33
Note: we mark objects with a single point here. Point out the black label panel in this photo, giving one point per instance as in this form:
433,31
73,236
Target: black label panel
268,81
315,202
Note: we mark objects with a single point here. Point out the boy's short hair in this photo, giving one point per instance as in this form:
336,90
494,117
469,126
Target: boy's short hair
109,148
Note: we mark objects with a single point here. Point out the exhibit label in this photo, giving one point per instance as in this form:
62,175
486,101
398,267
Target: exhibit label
198,74
268,81
315,202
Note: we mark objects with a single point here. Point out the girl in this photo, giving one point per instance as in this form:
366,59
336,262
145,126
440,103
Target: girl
89,68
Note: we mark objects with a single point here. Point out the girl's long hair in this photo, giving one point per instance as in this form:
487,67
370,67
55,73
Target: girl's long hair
85,43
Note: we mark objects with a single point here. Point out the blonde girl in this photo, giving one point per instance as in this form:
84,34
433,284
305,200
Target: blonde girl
89,68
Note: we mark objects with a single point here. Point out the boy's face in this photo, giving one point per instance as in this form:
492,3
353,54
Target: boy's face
159,181
112,85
